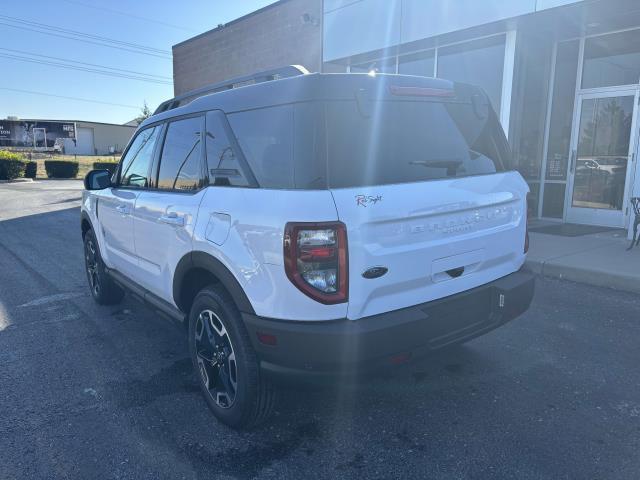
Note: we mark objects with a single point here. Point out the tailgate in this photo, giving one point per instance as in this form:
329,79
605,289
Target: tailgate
436,238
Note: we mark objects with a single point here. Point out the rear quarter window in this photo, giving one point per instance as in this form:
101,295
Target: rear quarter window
266,139
223,163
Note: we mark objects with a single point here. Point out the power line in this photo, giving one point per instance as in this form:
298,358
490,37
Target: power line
22,27
131,15
69,98
83,69
67,31
85,63
85,41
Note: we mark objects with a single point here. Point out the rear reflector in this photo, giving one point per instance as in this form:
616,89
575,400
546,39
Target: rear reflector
420,91
267,339
317,254
400,358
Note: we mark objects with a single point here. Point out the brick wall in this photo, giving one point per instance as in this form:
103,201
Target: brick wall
272,37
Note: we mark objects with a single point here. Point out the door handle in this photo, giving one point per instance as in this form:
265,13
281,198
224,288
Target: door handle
172,219
123,209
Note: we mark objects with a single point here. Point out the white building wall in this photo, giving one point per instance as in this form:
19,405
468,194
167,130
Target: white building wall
98,139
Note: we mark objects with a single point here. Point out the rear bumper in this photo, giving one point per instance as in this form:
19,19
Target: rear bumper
355,346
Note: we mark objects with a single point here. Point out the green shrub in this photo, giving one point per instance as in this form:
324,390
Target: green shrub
111,166
7,155
31,170
61,169
12,165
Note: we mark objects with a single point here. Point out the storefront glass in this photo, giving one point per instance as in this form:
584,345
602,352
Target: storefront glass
480,62
558,148
529,104
611,60
602,153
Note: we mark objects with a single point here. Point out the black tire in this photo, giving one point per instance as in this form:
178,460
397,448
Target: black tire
223,353
103,289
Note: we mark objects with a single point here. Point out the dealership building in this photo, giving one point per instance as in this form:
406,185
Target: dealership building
563,76
64,136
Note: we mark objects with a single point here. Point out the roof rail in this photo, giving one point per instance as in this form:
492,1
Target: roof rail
260,77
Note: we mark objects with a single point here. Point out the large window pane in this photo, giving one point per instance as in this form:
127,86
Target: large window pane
612,60
180,163
529,103
603,149
480,62
564,90
420,63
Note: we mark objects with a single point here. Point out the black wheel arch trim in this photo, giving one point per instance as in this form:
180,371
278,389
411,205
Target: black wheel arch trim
85,216
205,261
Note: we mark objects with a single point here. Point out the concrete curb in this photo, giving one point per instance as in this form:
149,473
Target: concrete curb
589,276
18,180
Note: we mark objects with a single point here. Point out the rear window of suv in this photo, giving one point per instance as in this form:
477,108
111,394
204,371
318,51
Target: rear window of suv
335,144
403,142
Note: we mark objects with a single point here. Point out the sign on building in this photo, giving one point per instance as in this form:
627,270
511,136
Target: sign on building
37,135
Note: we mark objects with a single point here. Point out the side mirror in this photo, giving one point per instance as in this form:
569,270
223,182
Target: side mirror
97,180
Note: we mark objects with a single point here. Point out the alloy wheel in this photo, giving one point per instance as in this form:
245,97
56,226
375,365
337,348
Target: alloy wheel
216,359
91,260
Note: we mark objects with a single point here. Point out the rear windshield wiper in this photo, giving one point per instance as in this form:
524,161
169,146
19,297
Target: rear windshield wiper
437,163
450,165
446,163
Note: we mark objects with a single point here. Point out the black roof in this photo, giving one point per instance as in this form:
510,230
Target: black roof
317,86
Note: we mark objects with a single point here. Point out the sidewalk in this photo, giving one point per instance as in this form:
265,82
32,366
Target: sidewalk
599,259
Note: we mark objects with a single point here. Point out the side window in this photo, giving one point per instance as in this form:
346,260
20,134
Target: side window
266,139
135,164
222,163
180,166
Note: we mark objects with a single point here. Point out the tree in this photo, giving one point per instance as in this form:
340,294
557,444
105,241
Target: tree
145,112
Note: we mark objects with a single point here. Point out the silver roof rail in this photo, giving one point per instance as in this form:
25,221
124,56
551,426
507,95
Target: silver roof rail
260,77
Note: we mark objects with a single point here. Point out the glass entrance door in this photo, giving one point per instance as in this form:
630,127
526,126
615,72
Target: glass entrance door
601,166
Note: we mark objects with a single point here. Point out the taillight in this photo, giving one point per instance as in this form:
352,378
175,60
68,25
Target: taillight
315,259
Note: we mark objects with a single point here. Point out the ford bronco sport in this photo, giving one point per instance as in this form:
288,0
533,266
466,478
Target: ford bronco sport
312,225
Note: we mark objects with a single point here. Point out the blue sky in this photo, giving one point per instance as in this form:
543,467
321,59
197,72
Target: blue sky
153,23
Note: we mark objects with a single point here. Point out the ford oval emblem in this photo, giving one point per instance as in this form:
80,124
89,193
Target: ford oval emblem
374,272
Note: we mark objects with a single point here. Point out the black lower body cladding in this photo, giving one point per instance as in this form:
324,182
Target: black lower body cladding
347,347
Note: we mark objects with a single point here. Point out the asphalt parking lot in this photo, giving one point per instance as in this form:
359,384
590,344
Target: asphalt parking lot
109,392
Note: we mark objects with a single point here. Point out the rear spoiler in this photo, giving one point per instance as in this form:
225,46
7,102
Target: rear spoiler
260,77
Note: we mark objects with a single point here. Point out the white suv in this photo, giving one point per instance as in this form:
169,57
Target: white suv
314,225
